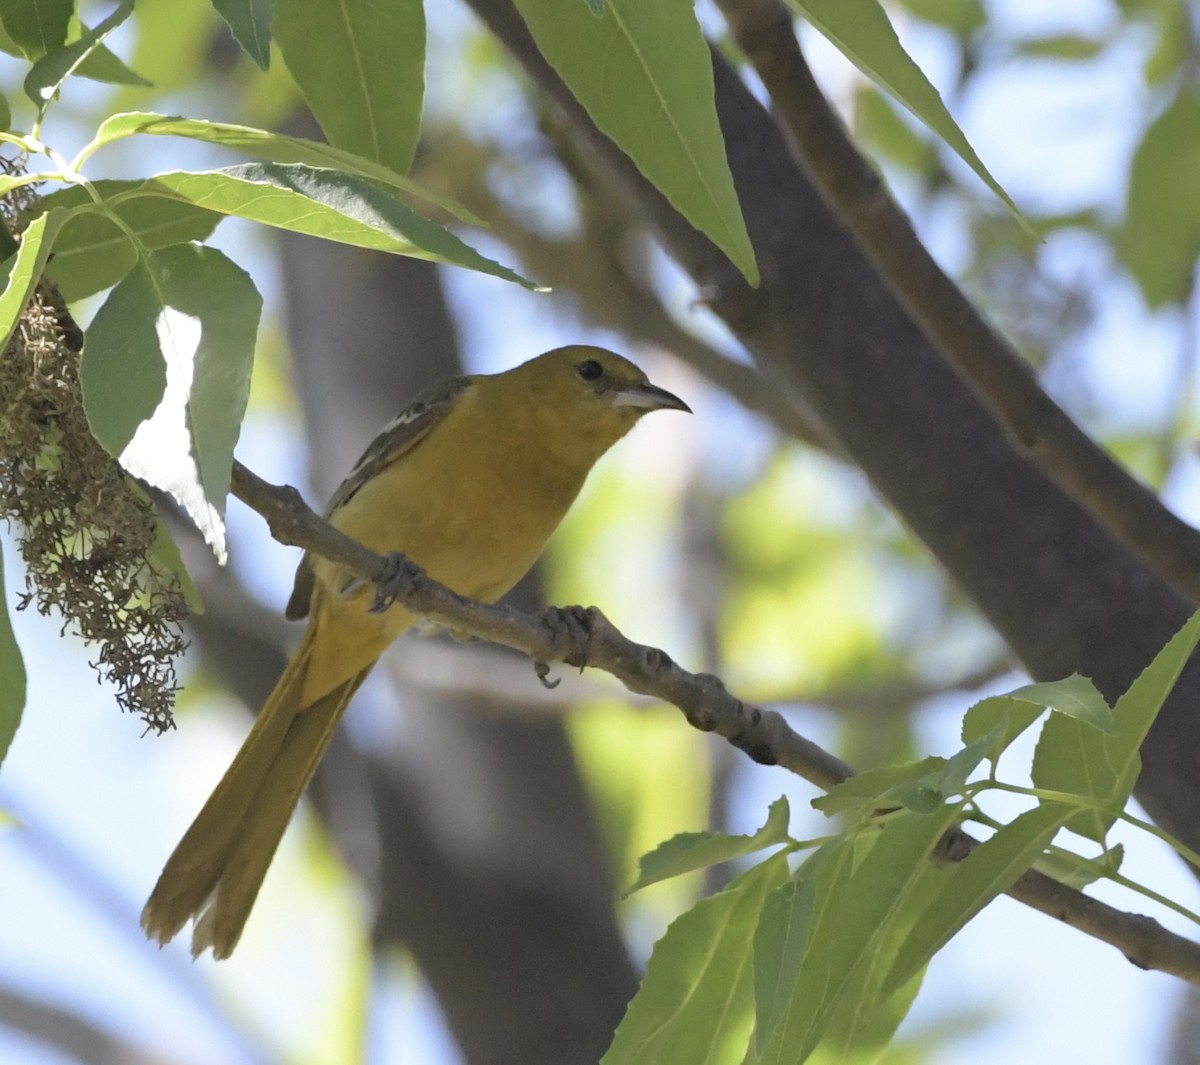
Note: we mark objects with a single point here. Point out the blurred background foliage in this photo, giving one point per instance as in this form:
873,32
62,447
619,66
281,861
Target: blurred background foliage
729,541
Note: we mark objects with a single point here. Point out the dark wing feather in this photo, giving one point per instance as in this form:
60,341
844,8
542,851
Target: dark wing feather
398,437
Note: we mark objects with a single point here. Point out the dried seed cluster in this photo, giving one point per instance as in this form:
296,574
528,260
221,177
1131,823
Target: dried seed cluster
85,530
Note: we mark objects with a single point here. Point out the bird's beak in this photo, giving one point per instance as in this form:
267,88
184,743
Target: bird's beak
649,397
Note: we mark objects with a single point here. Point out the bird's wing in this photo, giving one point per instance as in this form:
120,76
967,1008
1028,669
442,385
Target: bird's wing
397,438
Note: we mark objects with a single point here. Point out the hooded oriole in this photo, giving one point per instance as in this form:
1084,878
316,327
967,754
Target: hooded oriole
469,482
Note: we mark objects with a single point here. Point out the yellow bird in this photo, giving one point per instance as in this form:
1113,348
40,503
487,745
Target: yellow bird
469,482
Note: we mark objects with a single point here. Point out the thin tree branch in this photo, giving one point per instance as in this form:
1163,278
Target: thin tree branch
74,1036
762,734
1132,511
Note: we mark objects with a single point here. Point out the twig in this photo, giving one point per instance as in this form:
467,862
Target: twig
762,734
1043,430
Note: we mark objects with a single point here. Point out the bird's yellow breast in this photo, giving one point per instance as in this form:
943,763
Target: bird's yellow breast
473,504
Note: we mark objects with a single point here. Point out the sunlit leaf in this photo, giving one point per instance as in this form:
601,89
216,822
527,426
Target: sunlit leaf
361,69
323,203
272,148
1075,696
879,787
989,870
48,73
166,373
853,913
24,269
961,764
644,73
92,253
1075,758
860,30
781,939
1077,872
698,850
1000,716
695,1005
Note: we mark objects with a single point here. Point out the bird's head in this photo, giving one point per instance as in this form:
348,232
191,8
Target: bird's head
592,394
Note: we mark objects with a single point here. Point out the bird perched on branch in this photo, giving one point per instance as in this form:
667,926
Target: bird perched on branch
468,482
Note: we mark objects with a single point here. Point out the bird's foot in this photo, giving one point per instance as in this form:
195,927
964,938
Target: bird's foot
571,628
400,576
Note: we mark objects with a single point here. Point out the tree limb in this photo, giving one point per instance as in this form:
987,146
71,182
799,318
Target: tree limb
1062,590
707,705
764,30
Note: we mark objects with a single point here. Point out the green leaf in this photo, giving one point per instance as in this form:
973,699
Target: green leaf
1075,696
327,204
1064,46
250,23
164,552
361,69
989,870
12,676
860,30
779,944
851,918
102,64
781,940
271,147
46,76
878,124
644,73
1159,240
1174,49
865,1019
166,371
24,270
1079,760
43,26
1001,716
91,253
962,764
962,17
698,850
5,115
1078,872
37,26
875,788
7,45
695,1004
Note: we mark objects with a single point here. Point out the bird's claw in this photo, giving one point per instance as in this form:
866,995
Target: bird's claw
570,625
399,577
543,674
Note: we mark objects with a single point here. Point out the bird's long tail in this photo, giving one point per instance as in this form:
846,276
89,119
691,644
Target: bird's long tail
218,867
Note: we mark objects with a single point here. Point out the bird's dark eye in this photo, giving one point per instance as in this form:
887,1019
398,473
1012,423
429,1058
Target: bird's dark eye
590,370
